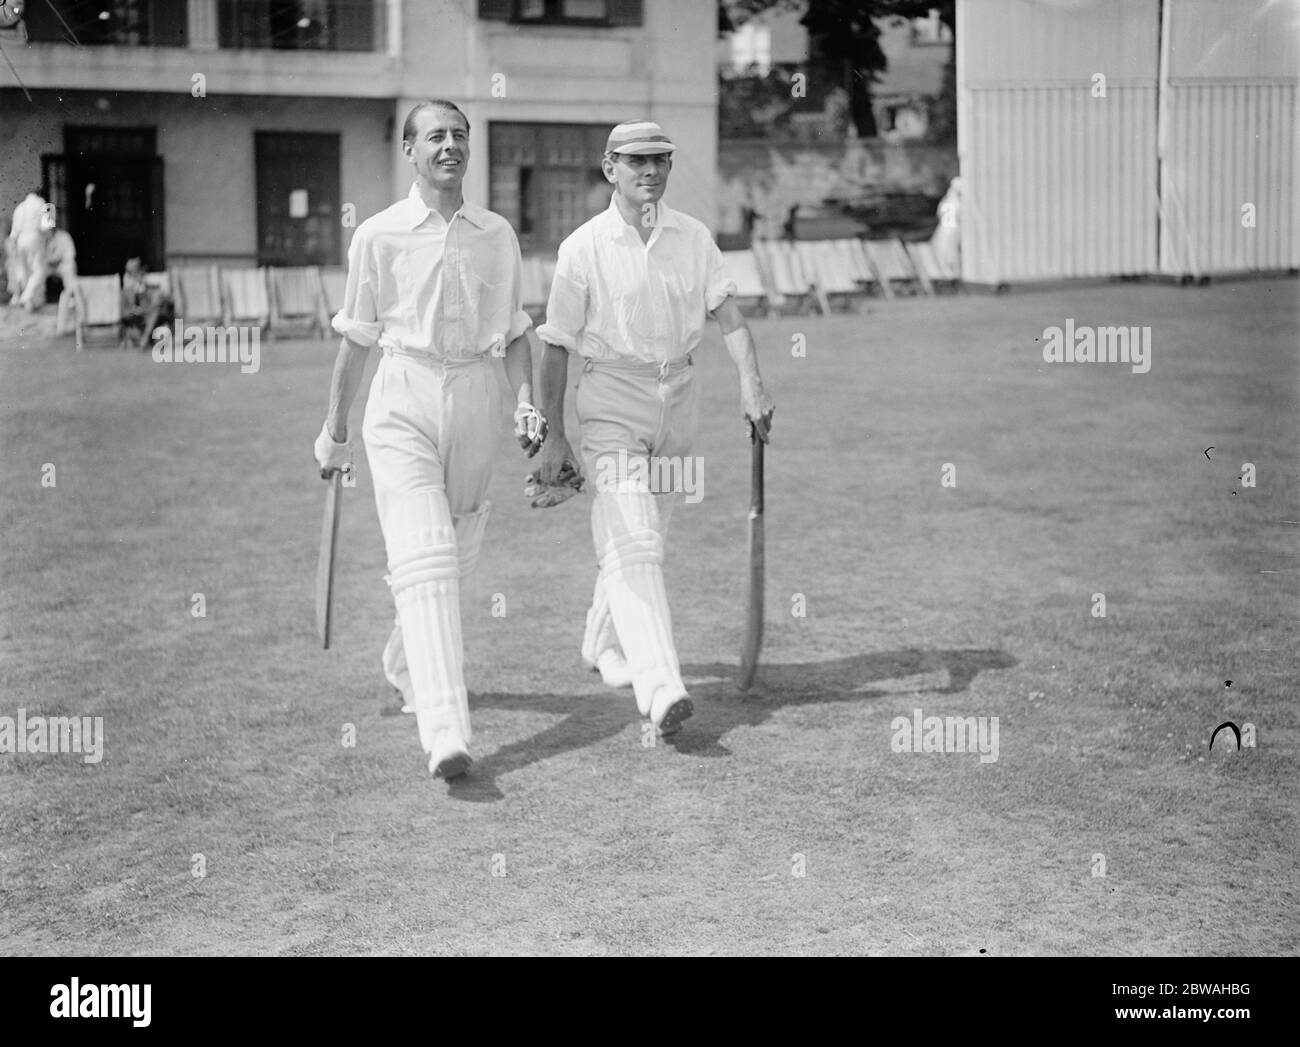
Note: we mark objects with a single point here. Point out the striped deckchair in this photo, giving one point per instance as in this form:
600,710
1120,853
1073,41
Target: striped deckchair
295,299
196,290
784,275
333,286
247,301
741,267
929,268
536,289
99,309
892,265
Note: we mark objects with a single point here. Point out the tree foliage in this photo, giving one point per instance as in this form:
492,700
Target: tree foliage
844,36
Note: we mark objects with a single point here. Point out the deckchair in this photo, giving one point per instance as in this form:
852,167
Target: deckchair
295,299
99,309
892,265
196,292
784,275
929,268
333,286
741,267
536,288
246,298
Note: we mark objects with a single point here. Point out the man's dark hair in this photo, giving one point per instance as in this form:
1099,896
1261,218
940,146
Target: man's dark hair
408,128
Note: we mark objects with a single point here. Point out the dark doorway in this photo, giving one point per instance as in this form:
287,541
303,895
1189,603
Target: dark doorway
107,189
298,217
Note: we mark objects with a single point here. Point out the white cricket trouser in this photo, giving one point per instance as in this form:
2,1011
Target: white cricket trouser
630,412
430,432
30,269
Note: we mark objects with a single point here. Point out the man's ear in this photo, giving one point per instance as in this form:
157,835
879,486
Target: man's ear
607,165
408,150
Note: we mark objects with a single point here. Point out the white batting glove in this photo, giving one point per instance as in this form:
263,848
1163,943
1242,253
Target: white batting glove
331,455
530,428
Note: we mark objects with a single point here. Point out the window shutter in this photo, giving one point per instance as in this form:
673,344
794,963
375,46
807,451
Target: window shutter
625,12
496,10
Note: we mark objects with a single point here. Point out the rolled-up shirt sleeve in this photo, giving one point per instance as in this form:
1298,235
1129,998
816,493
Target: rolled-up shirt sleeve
566,309
358,320
717,285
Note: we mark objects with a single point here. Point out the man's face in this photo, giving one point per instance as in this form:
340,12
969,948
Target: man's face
439,151
640,179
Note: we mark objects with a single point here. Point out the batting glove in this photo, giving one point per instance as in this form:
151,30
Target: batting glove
545,496
530,428
330,455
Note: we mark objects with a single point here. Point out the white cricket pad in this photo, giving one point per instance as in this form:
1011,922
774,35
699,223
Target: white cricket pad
424,575
629,548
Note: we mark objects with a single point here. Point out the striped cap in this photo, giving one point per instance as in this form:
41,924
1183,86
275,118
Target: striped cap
638,137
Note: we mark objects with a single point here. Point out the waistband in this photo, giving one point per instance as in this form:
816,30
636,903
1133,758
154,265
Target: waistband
437,363
645,368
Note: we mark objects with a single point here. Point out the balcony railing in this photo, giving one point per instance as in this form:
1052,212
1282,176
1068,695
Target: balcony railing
302,25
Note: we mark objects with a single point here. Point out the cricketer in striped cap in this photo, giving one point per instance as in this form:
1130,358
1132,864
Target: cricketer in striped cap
637,138
633,289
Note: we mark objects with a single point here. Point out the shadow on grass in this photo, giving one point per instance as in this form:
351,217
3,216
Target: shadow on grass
719,705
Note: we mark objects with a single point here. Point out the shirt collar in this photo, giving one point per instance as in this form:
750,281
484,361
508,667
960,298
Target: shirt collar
614,223
418,211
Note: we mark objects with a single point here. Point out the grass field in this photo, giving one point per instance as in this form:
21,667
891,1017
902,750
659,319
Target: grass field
781,823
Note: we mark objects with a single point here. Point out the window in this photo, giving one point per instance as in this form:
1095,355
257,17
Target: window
563,12
546,179
301,25
751,46
297,198
127,23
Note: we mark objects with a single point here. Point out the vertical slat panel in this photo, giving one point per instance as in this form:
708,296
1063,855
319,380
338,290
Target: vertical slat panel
1234,143
1061,183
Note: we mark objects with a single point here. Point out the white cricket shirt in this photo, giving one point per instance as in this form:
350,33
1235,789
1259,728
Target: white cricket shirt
418,283
614,296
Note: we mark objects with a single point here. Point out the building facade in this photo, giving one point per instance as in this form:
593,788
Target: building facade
260,132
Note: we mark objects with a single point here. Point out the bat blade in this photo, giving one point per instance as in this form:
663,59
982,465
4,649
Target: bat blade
755,581
325,564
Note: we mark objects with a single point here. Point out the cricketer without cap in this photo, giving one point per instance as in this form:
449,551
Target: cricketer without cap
632,290
434,282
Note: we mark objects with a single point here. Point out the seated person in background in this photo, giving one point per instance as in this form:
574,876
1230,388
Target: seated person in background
60,284
140,306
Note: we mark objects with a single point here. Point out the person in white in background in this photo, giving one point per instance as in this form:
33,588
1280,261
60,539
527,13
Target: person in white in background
946,240
61,261
32,223
633,288
434,282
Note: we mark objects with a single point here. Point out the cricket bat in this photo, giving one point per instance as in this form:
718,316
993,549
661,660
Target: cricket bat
754,587
329,533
